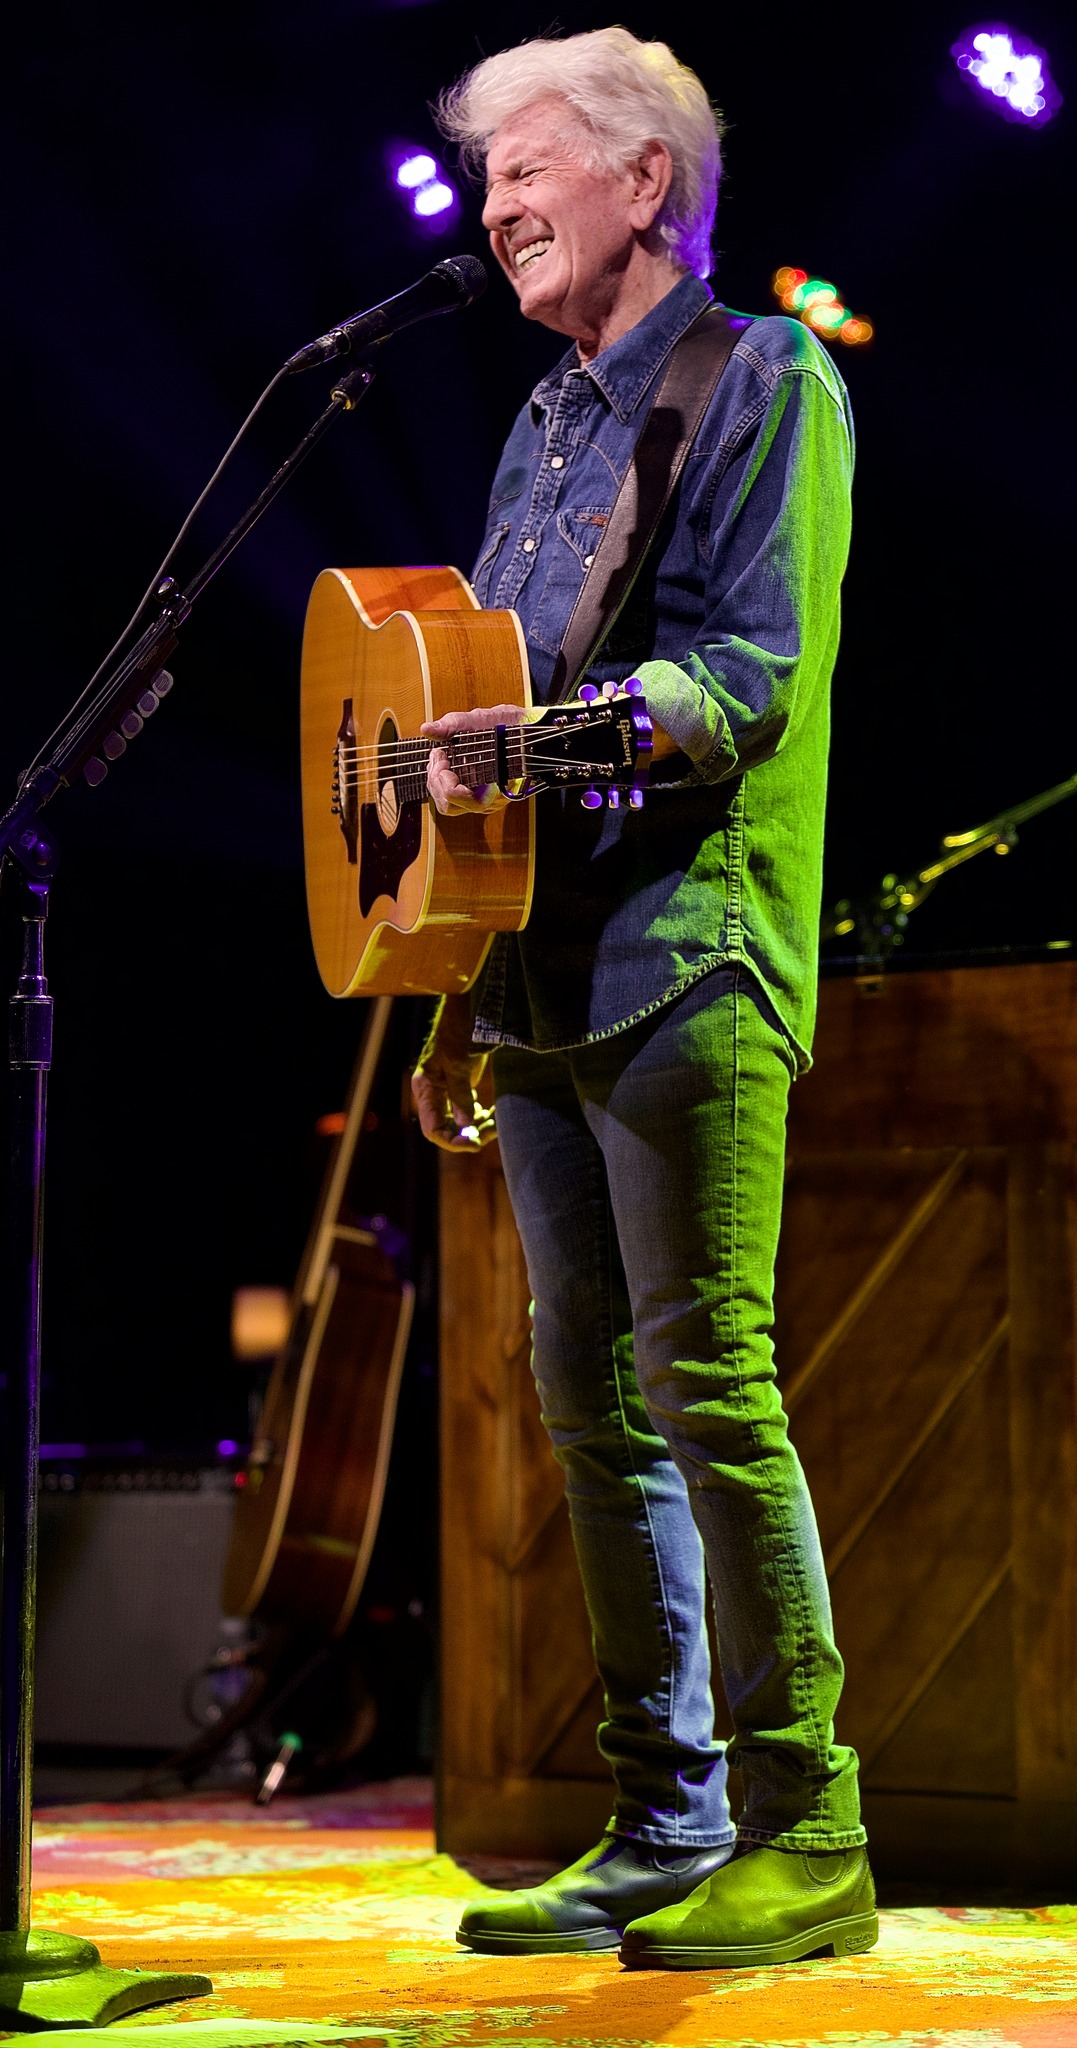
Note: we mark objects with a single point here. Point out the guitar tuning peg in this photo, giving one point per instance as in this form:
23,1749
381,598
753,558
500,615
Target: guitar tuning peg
591,799
633,687
609,689
635,798
95,771
614,799
113,745
588,693
131,725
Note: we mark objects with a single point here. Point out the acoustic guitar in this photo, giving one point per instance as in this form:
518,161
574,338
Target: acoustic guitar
401,900
307,1511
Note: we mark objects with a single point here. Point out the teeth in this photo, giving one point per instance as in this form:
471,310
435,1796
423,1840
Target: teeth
530,252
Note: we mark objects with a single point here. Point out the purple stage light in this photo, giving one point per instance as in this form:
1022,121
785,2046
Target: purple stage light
415,171
227,1447
433,198
1010,70
420,179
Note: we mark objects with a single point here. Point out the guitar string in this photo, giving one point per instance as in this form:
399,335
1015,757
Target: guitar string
484,770
584,720
385,766
365,770
354,771
481,766
477,743
473,755
535,764
399,757
471,758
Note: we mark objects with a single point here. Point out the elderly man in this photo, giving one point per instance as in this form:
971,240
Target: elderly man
648,1021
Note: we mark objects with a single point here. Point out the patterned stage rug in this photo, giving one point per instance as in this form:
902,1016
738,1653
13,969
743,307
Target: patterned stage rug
332,1919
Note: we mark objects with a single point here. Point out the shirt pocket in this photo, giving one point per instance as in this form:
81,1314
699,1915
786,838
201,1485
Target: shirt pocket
483,571
570,544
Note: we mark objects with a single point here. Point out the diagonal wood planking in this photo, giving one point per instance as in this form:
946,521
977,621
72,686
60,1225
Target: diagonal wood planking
925,1343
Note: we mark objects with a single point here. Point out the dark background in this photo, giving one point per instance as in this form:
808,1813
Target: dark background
195,192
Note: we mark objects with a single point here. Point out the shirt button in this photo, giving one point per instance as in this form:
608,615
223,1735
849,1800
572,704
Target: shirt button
557,462
587,561
530,546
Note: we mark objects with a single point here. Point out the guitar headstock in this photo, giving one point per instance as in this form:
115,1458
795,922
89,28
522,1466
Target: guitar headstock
604,737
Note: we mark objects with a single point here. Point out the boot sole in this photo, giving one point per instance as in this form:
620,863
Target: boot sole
849,1937
494,1944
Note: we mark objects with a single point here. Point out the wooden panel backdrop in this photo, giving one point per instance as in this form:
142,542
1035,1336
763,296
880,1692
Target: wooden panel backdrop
925,1340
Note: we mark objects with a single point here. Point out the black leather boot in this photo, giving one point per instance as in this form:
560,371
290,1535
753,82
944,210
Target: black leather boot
589,1905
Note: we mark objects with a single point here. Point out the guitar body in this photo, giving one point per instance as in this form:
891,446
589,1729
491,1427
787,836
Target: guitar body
307,1513
401,900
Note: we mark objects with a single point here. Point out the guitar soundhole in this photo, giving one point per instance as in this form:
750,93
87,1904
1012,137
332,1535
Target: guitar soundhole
390,831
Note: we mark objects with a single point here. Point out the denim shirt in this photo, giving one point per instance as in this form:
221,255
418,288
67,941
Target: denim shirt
733,631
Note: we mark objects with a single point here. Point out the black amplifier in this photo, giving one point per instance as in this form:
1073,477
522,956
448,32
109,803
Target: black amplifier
131,1551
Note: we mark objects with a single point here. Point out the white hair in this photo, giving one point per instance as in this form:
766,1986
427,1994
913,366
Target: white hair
627,93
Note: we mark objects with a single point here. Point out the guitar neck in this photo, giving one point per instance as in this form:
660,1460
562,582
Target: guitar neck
607,741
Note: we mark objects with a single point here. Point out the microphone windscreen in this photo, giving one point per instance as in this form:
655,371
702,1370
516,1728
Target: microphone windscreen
468,276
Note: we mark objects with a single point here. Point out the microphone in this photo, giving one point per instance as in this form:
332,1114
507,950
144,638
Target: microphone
452,283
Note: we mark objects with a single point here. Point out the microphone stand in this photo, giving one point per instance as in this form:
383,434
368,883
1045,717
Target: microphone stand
57,1980
877,923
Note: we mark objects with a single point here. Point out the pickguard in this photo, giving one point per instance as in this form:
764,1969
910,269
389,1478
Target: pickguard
390,834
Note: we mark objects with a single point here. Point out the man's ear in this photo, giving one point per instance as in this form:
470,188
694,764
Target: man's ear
653,174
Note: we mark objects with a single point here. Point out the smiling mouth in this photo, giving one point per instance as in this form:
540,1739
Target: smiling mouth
530,254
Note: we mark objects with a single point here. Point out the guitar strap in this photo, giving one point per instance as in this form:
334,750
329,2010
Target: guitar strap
652,476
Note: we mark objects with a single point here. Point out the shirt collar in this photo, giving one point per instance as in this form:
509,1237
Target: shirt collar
625,371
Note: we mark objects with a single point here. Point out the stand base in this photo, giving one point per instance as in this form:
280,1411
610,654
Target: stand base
57,1980
91,1999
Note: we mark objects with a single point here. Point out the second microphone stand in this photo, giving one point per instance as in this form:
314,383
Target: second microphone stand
877,923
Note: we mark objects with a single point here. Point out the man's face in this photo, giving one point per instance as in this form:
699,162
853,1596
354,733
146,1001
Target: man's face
564,234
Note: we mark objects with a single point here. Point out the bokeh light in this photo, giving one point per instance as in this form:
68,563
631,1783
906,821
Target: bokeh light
415,171
819,304
1010,72
432,200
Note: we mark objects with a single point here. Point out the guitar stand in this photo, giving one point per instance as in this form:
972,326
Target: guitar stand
57,1980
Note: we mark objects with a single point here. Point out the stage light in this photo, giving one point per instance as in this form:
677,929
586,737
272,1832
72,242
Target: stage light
1010,71
819,304
420,179
433,198
416,170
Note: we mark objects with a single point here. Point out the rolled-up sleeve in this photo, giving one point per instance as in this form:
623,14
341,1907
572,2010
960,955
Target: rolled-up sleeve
770,516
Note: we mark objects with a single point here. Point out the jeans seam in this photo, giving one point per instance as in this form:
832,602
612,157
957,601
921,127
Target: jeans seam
653,1548
787,1838
690,1837
605,1221
803,1668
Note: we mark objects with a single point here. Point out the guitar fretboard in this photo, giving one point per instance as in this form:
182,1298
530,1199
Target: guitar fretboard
364,771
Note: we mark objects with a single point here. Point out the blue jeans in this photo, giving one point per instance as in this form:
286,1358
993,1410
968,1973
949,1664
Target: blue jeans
645,1172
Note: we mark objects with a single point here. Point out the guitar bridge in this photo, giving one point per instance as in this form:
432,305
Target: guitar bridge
345,788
